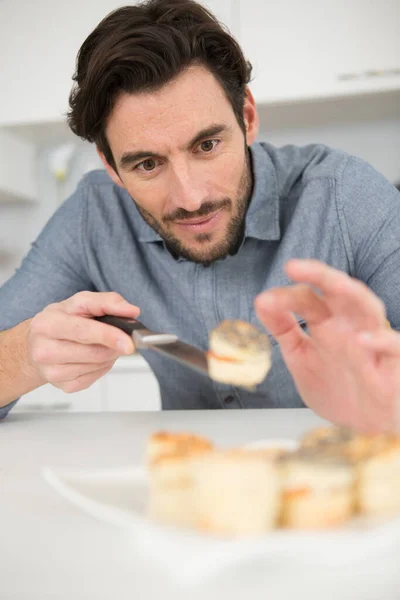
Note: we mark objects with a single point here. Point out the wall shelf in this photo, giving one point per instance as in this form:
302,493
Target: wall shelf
10,198
17,169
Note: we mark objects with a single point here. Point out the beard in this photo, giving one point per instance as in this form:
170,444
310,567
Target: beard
207,252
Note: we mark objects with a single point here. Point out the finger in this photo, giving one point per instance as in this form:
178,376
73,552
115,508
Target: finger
97,304
317,273
300,299
58,352
346,293
282,325
61,326
383,341
372,360
83,381
381,414
60,374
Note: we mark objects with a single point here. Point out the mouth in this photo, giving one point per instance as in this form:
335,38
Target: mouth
200,223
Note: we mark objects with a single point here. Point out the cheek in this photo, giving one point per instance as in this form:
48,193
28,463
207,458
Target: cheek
229,173
149,195
218,177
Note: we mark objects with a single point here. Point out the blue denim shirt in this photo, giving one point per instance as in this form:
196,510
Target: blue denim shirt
307,202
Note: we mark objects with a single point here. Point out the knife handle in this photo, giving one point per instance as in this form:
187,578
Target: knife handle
124,323
140,334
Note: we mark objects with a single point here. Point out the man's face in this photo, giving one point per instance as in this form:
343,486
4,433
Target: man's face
183,158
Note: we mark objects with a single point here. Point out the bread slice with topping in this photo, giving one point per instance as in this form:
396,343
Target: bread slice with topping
163,442
239,354
378,478
236,492
375,460
338,441
170,487
317,490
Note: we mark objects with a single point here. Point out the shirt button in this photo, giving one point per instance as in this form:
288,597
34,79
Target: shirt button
229,399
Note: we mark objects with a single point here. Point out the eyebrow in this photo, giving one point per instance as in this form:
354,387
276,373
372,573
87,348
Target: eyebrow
129,158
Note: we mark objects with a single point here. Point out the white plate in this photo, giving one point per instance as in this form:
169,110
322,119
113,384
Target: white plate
283,443
119,496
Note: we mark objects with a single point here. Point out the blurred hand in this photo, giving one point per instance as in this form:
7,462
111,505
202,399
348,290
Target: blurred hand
348,368
69,349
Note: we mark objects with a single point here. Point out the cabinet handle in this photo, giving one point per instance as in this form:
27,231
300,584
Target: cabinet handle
369,74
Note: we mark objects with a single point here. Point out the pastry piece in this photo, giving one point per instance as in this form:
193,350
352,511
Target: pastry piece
340,442
318,490
376,463
240,354
236,492
378,478
325,435
169,463
170,490
164,442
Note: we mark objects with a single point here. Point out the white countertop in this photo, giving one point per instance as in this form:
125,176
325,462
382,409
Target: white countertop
49,549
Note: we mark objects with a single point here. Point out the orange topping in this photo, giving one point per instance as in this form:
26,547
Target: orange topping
295,493
223,358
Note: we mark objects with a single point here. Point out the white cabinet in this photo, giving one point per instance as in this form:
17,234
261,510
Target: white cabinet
40,40
129,386
300,49
49,398
305,50
38,44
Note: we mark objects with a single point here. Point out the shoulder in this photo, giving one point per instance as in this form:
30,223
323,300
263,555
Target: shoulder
353,179
94,187
106,207
302,164
97,184
96,193
96,178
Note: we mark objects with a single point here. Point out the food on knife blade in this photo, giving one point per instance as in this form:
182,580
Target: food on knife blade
239,354
317,490
237,492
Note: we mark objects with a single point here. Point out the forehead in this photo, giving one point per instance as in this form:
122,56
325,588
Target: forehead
170,115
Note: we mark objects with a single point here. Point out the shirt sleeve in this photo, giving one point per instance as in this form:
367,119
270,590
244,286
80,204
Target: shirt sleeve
369,212
6,409
54,269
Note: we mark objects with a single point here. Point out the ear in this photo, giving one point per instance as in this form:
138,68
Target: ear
114,176
250,117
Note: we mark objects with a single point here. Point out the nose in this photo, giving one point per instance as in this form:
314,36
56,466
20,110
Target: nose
186,188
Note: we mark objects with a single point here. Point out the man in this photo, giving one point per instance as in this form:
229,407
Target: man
194,222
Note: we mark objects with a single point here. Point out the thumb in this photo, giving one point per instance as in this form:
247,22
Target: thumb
282,324
97,304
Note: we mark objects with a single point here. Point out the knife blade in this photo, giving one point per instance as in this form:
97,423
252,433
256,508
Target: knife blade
164,343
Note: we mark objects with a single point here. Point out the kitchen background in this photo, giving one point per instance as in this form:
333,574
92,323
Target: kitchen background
325,72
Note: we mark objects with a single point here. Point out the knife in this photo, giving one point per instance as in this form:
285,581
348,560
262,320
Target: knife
167,344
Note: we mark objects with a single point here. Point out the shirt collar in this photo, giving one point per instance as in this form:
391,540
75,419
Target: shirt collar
262,218
147,233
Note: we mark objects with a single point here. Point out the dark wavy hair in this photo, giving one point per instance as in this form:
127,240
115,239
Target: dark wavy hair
141,48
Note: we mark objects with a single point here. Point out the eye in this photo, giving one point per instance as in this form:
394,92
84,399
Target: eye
208,145
147,165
